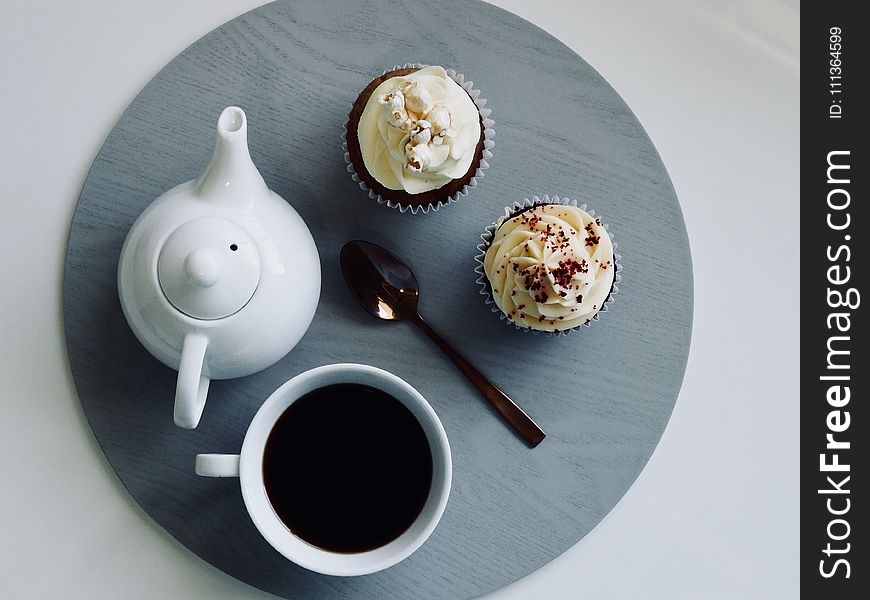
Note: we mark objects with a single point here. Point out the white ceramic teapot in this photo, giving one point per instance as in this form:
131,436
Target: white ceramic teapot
219,277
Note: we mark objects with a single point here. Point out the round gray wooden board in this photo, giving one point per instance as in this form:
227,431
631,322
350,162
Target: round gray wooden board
603,395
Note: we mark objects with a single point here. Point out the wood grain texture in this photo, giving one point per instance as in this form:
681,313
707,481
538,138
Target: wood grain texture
604,394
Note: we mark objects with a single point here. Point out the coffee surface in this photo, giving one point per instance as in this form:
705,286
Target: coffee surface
347,468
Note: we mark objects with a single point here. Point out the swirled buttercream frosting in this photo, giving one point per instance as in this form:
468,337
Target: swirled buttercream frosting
419,131
550,267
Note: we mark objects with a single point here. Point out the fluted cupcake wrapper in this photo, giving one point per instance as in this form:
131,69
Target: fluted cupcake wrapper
488,236
488,145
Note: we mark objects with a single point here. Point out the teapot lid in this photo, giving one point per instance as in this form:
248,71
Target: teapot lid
208,268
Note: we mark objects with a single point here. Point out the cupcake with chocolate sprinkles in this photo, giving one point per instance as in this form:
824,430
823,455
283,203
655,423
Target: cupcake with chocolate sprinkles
418,138
548,265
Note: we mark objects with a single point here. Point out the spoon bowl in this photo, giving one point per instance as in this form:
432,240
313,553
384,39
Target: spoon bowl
382,283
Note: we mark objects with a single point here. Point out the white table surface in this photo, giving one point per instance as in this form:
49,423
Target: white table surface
715,512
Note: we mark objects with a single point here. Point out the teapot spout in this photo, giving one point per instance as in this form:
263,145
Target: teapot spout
231,172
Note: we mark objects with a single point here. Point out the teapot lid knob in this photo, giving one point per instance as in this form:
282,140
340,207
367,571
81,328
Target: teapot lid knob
208,268
203,267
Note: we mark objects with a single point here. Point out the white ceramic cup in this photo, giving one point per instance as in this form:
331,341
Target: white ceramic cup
248,467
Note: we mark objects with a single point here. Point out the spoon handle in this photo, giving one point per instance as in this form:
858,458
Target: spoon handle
507,408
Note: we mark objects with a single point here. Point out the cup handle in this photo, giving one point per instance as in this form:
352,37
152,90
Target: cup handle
192,387
217,465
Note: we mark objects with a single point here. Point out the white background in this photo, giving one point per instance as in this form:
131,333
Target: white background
715,512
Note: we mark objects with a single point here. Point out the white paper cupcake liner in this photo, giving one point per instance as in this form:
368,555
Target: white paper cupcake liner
489,235
488,144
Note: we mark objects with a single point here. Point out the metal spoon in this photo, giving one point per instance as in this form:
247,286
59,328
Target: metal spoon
387,288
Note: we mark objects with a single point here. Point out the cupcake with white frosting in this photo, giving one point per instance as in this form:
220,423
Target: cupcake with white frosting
418,138
548,265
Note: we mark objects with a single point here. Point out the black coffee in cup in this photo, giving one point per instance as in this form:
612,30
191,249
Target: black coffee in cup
347,468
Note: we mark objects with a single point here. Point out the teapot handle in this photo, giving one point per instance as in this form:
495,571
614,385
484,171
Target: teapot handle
192,387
